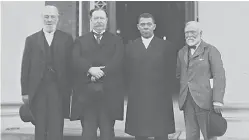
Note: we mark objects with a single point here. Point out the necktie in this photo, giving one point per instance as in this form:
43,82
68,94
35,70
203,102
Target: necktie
98,36
190,53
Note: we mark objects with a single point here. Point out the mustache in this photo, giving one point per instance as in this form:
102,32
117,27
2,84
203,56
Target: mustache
50,23
99,24
191,38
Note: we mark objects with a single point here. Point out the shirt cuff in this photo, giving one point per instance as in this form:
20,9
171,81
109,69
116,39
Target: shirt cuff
217,104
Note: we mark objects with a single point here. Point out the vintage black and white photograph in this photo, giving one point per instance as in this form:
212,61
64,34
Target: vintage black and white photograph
124,70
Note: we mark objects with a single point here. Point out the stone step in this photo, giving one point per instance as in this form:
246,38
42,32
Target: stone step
17,133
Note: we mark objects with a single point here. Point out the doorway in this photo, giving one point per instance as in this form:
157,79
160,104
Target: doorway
170,17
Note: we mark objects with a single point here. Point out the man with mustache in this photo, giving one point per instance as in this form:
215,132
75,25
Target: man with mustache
45,75
98,99
197,63
149,72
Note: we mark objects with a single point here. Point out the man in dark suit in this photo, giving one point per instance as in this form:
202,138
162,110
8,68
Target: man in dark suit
45,76
149,72
98,91
197,63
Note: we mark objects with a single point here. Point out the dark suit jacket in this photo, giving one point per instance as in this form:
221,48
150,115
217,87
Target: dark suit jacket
108,53
33,64
204,65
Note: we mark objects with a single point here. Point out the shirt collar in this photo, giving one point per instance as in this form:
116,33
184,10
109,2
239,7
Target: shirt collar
198,44
147,38
46,33
98,33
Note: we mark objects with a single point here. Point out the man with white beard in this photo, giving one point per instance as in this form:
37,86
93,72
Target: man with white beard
45,76
197,63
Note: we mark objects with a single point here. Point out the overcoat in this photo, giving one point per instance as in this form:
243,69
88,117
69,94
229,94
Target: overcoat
109,53
149,74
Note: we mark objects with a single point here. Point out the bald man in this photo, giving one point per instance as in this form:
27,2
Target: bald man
45,76
197,63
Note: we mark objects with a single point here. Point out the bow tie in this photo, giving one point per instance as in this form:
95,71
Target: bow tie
192,47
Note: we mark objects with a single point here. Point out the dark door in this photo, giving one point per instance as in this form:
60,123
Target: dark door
169,16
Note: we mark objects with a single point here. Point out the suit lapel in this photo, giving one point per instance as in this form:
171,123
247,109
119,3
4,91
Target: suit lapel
58,47
185,54
104,39
55,43
41,40
92,40
141,45
152,43
199,50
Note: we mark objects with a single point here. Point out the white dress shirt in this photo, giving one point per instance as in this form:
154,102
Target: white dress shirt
98,33
49,37
146,41
192,52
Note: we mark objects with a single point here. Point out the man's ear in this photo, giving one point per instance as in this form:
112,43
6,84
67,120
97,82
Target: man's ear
58,18
138,27
154,26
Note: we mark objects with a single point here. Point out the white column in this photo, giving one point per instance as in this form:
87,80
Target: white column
226,26
80,18
92,5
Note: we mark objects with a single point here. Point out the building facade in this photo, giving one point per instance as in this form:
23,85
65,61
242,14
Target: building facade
225,25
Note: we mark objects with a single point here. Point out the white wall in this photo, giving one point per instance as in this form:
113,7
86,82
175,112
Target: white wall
18,20
226,25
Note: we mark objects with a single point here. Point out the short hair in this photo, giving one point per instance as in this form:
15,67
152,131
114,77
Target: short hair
194,24
97,9
146,15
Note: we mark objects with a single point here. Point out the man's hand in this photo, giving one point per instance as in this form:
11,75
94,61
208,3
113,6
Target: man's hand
96,72
217,108
93,79
25,99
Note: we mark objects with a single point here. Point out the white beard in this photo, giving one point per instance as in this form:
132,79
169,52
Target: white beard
49,28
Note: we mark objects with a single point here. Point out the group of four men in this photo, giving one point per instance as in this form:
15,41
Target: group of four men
100,69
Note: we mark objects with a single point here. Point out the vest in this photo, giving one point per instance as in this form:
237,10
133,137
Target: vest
49,72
